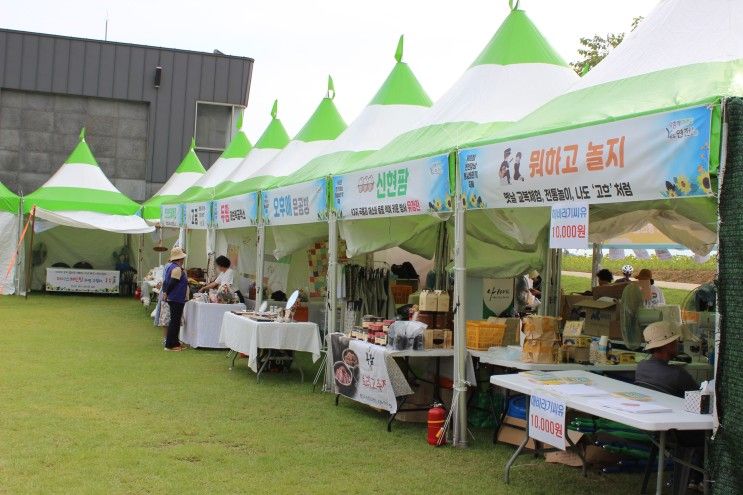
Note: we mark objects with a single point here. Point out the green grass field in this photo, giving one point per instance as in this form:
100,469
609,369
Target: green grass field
90,403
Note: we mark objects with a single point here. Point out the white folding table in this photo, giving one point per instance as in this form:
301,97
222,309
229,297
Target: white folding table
660,423
245,335
202,323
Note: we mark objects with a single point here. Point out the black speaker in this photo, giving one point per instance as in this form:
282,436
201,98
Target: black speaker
158,76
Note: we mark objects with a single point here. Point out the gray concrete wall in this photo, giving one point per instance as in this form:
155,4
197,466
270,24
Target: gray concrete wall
110,85
39,130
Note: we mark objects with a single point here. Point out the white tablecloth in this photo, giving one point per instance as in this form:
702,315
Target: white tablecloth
244,335
202,322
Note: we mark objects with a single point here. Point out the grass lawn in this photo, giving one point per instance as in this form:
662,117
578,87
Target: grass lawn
90,403
578,284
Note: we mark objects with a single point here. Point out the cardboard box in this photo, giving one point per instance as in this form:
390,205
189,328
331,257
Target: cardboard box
429,301
539,351
437,338
512,432
513,329
613,291
568,310
602,318
443,300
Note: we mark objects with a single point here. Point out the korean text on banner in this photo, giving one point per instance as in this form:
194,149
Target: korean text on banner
658,156
171,216
547,420
300,203
75,280
410,188
569,226
198,215
237,211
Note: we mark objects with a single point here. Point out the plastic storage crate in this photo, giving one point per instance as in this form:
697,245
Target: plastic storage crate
482,334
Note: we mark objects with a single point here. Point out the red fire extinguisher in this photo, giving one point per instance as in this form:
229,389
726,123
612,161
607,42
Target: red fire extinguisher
138,293
436,419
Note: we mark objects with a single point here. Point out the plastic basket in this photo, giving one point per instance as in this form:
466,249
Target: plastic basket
482,334
400,293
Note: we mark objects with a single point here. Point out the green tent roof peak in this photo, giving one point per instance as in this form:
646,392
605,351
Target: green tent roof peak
239,146
190,162
82,153
325,124
518,41
401,88
274,137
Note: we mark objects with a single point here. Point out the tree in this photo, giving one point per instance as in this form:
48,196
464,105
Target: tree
593,50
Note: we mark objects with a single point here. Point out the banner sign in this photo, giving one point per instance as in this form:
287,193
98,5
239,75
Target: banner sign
75,280
360,372
299,203
237,211
569,226
547,420
410,188
657,156
198,215
171,216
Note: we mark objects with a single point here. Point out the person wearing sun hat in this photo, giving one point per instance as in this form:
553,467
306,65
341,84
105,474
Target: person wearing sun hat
656,295
662,341
175,293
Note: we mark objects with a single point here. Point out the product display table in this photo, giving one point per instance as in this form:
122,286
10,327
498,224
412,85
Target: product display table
244,335
677,419
202,323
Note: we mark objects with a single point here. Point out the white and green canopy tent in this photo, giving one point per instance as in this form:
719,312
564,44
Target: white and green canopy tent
236,203
9,229
186,174
191,210
81,215
395,109
515,73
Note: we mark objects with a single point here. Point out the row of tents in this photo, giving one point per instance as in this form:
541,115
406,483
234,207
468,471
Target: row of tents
685,55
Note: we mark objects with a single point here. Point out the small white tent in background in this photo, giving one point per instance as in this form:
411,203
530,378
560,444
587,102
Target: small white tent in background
80,216
9,224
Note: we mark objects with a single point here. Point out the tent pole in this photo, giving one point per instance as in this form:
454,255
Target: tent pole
30,261
460,340
19,262
332,277
260,255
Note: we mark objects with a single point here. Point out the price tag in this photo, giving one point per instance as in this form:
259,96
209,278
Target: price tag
569,226
547,420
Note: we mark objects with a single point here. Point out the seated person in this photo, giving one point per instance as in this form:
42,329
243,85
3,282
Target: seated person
626,277
656,295
226,277
604,277
662,342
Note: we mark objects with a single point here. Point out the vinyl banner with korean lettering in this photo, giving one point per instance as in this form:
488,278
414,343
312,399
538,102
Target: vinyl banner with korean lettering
653,157
172,216
198,215
237,211
300,203
410,188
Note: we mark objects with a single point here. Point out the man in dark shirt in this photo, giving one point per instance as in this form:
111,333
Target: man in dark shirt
662,342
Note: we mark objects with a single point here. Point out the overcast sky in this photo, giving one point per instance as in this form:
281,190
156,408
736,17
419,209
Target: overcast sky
297,43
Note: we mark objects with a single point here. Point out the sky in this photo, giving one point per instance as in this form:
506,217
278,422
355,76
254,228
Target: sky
296,44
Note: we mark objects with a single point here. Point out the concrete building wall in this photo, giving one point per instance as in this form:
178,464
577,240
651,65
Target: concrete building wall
50,85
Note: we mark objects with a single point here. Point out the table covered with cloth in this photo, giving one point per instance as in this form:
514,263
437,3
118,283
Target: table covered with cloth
245,335
203,321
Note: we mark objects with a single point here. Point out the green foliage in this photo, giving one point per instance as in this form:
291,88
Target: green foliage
90,403
593,49
583,264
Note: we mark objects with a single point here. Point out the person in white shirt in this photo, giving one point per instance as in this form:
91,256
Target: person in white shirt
226,274
656,295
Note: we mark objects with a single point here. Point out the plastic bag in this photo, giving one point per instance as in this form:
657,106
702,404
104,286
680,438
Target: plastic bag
405,335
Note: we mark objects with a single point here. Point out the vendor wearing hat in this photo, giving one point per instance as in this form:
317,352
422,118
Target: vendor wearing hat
175,292
662,342
656,295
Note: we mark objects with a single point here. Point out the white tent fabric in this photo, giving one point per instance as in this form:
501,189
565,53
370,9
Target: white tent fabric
8,243
120,224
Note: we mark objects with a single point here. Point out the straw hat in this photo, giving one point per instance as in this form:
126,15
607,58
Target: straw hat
176,254
533,274
659,334
644,274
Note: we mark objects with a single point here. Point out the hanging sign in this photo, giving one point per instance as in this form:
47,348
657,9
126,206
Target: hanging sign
569,226
497,296
299,203
657,156
237,211
410,188
79,280
198,215
171,216
547,420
